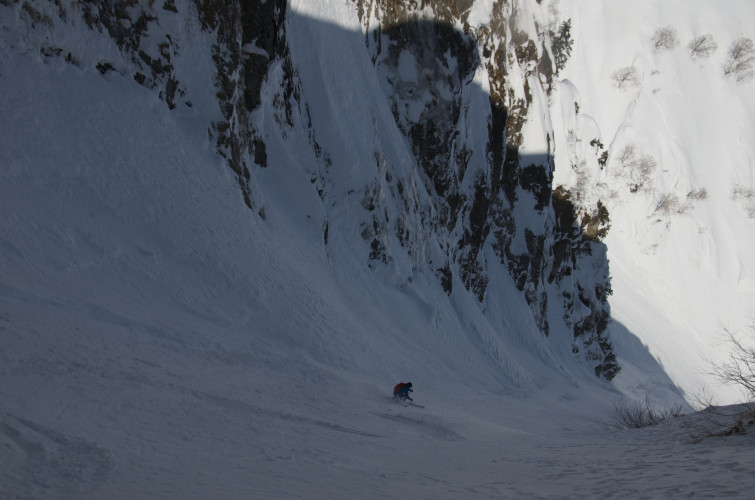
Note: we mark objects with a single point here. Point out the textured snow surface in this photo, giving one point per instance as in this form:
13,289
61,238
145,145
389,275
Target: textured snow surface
683,275
159,340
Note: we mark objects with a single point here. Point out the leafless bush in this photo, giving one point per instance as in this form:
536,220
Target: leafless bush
744,195
693,195
739,368
634,415
628,154
741,58
701,400
668,203
702,46
626,78
665,39
742,192
642,171
697,194
636,171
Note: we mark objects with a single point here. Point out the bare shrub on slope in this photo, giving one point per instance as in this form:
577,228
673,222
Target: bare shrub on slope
739,368
636,171
668,203
626,78
745,197
741,58
697,194
665,39
635,415
702,46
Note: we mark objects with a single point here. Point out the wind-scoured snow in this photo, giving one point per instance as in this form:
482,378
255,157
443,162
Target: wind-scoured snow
160,340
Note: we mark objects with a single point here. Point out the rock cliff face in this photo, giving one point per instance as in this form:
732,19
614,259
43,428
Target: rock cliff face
477,203
250,35
502,198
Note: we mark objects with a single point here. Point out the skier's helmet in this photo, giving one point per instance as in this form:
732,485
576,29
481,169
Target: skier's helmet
408,384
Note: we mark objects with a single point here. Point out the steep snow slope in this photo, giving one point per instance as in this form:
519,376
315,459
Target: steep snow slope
680,246
160,342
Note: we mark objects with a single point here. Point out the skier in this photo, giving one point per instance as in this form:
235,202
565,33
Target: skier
402,390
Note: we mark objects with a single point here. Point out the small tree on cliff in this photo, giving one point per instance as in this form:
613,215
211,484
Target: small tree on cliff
562,45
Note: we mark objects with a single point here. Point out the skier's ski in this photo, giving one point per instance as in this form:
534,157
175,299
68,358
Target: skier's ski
406,402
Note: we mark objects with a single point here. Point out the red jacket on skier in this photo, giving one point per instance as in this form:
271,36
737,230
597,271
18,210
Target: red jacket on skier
402,390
